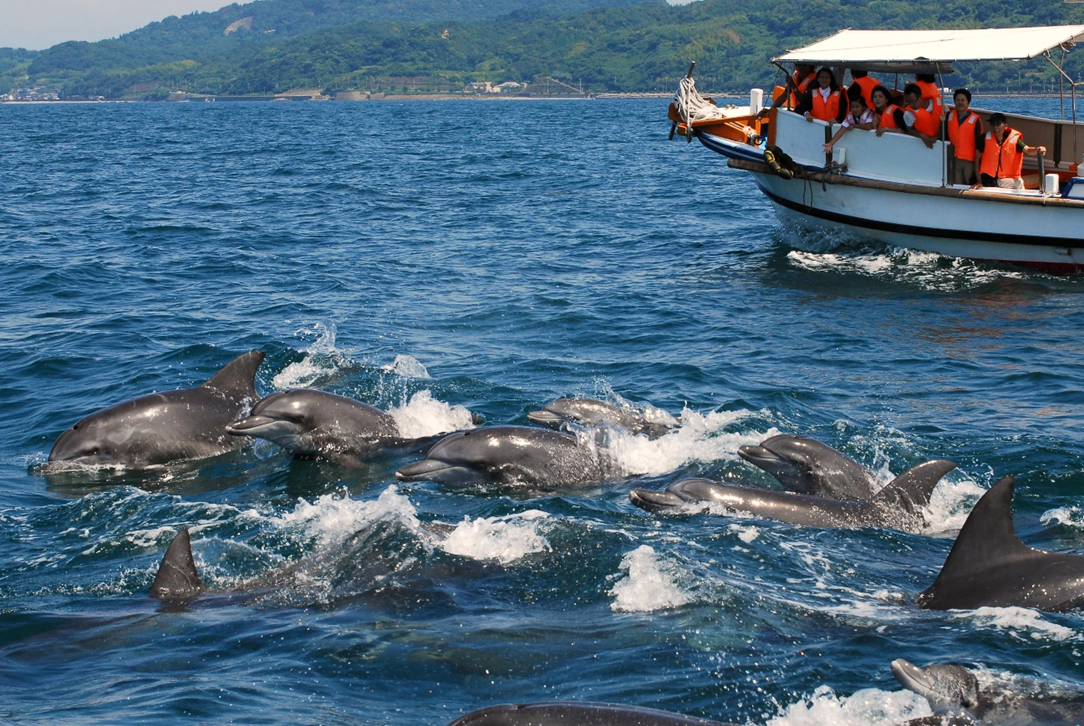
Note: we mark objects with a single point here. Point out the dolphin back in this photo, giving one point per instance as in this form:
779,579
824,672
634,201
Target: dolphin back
576,714
238,377
177,579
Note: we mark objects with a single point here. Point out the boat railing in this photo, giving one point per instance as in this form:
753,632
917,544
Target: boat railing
889,157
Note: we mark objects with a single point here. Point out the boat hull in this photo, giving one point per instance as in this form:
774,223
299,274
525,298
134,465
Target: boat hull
1020,228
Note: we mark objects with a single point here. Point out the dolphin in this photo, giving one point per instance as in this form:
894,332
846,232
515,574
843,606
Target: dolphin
898,505
989,566
809,467
509,455
591,412
319,424
164,427
576,714
953,690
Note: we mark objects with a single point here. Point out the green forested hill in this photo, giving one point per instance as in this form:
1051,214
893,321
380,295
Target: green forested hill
618,48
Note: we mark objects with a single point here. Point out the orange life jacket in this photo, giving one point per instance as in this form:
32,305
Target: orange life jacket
825,109
802,84
962,135
925,123
867,85
931,92
1002,161
887,118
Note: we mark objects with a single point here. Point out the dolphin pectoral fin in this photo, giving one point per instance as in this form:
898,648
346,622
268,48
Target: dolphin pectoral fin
654,501
912,489
545,418
177,579
436,470
238,377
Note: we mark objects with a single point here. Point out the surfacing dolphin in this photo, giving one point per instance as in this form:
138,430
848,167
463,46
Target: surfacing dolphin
898,505
314,423
989,566
576,714
809,467
593,413
162,428
954,690
511,455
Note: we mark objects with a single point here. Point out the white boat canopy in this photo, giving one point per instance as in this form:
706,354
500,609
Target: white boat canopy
907,49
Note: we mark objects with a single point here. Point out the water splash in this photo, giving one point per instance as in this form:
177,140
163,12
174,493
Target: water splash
650,584
322,359
1021,621
407,367
504,539
864,708
424,416
332,518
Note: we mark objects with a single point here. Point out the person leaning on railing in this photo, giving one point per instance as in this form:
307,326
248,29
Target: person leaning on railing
1003,153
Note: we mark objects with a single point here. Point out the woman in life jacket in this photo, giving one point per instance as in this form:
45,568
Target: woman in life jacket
824,101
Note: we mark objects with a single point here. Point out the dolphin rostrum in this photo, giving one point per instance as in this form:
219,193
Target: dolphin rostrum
809,467
989,566
314,423
571,713
593,413
164,427
510,455
897,506
953,690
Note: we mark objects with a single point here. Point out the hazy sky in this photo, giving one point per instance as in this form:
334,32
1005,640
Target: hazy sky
37,24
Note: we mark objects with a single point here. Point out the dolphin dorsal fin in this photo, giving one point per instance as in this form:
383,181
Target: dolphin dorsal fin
987,536
239,375
911,490
177,578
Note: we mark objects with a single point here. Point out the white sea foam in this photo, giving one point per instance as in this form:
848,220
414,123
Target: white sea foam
334,517
745,534
695,440
1064,516
407,367
424,416
321,360
1024,622
504,539
649,584
930,270
867,707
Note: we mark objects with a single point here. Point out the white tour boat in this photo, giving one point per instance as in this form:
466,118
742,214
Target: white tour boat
892,188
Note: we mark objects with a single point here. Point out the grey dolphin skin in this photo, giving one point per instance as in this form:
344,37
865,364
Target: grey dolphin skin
898,505
952,690
164,427
809,467
510,455
576,714
592,412
314,423
177,580
990,566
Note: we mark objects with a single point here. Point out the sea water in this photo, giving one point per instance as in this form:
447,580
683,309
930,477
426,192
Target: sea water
447,259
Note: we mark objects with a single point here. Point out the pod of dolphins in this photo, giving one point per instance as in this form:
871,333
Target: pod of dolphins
987,566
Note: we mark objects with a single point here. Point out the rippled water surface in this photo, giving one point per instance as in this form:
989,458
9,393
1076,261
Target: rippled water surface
429,257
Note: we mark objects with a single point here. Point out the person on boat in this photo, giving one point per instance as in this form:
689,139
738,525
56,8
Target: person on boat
859,117
931,94
823,101
797,84
889,115
1003,153
863,84
963,128
919,119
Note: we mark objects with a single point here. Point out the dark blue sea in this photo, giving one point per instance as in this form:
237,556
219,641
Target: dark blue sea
436,257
